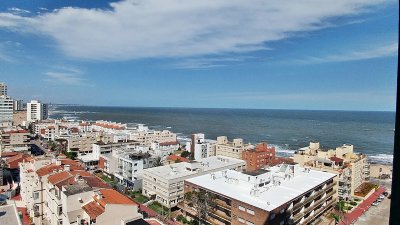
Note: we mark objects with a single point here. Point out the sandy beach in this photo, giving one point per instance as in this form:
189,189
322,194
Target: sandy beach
377,170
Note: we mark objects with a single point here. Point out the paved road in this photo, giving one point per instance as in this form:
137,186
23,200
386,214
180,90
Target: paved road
376,215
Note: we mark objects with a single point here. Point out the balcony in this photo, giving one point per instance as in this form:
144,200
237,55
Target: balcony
222,215
223,204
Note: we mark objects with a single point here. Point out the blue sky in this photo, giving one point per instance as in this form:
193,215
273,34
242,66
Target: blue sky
304,54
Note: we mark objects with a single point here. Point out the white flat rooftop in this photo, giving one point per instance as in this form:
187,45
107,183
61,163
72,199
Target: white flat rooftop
184,169
237,185
9,215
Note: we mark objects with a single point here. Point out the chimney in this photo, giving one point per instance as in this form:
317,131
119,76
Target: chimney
58,162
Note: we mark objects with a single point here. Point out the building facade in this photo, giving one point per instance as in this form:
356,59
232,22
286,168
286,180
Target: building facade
285,194
259,157
36,111
165,183
233,149
6,108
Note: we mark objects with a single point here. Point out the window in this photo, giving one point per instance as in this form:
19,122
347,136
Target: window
250,211
241,220
242,208
35,195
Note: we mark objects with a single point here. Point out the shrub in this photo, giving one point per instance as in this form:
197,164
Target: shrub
353,203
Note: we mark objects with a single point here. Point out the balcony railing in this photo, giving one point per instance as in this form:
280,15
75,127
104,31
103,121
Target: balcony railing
223,204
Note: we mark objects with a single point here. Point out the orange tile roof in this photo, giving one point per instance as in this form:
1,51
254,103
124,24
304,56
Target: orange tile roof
58,177
111,196
47,169
93,209
168,143
12,162
9,154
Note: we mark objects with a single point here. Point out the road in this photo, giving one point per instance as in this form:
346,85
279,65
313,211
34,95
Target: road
376,215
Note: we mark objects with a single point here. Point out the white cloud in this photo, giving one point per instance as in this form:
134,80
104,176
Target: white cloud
66,75
209,62
18,10
134,29
377,52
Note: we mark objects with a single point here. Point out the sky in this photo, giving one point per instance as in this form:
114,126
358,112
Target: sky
300,54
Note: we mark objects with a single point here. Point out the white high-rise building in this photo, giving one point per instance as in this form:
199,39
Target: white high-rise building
36,111
3,89
18,105
6,108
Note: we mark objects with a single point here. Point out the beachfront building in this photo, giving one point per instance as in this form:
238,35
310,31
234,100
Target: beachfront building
146,137
232,149
201,148
259,157
36,111
163,150
14,139
6,108
284,194
165,183
352,168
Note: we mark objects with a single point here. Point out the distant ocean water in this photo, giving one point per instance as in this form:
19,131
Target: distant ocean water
288,130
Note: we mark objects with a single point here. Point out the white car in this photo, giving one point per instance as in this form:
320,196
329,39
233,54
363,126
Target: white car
375,203
382,197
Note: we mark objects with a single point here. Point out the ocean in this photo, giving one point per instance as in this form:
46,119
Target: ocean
371,133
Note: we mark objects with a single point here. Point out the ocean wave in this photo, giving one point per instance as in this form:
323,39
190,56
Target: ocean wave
381,158
283,150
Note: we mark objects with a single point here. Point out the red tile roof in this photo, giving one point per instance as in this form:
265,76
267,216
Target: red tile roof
12,162
93,209
8,154
47,169
111,196
336,159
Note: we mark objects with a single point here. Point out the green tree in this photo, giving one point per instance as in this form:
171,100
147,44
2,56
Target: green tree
202,202
185,154
157,162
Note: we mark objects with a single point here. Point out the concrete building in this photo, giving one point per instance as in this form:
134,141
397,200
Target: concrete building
285,194
14,139
165,183
259,157
200,147
6,108
18,105
82,143
3,89
232,149
352,168
36,111
146,137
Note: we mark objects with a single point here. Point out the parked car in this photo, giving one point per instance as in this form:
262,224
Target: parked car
375,203
381,197
385,193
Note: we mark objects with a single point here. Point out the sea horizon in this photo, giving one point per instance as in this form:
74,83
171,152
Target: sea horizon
371,132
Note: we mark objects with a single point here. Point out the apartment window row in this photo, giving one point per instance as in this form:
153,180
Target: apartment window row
245,221
249,211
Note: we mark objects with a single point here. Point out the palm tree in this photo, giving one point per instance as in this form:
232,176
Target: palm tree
158,162
340,212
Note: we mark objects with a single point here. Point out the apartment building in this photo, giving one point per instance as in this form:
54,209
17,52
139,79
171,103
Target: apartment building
81,143
6,108
352,168
14,139
163,149
3,89
36,111
18,105
146,137
200,147
259,157
34,173
233,149
284,194
165,183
